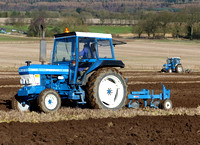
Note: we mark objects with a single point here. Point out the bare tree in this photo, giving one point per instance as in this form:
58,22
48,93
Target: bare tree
151,24
139,28
192,17
178,20
35,27
164,19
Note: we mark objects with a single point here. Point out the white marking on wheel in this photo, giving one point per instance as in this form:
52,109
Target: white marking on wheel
168,105
51,101
111,91
179,69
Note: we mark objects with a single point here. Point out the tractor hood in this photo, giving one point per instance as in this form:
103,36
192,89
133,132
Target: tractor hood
166,65
44,69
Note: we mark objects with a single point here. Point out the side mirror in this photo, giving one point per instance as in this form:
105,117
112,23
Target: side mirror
43,45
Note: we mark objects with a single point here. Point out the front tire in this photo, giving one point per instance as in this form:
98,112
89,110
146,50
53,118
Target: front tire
49,101
106,89
18,105
169,70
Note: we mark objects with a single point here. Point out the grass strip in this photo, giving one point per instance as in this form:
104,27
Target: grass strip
66,113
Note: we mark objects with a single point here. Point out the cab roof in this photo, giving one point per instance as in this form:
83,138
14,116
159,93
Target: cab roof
84,34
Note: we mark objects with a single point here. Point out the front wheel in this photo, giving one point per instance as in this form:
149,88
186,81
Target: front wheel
169,70
106,89
49,101
18,104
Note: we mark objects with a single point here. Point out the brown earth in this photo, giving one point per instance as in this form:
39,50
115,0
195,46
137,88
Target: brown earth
129,131
137,130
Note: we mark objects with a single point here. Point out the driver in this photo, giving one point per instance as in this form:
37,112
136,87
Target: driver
84,53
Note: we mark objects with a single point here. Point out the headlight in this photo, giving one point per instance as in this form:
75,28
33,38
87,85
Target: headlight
31,79
60,77
22,81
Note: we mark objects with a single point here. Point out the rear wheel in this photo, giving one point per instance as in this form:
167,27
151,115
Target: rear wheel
106,89
18,104
49,101
179,68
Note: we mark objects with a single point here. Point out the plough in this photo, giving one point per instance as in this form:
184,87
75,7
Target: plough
155,99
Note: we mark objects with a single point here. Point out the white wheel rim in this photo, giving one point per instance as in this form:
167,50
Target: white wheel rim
23,107
170,71
168,105
51,101
111,91
179,69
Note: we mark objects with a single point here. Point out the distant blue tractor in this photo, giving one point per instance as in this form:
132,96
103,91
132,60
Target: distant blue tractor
173,65
91,78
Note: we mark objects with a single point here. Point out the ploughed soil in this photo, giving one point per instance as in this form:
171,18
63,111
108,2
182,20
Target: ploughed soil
137,130
129,131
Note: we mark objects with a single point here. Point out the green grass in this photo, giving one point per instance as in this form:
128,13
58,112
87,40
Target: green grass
11,38
110,29
19,28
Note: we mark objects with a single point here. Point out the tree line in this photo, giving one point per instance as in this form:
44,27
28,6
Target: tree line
185,23
110,5
156,24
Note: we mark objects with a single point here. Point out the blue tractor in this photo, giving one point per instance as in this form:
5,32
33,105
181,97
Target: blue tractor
173,65
82,69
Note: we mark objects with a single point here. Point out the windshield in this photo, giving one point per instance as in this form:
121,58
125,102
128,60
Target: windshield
64,49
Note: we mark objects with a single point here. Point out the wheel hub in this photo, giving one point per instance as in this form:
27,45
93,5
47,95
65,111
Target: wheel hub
109,91
51,101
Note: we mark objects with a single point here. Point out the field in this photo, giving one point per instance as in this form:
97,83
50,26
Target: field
143,59
110,29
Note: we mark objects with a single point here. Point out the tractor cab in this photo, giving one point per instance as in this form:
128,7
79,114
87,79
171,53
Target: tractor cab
83,52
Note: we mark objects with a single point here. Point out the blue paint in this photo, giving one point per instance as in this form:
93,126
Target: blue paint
145,95
109,91
50,101
44,69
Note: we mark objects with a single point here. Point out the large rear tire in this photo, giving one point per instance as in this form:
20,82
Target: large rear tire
179,68
106,89
49,101
18,105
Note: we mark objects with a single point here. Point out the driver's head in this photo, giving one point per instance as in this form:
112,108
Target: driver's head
85,46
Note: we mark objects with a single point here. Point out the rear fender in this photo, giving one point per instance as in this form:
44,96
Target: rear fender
106,63
100,64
